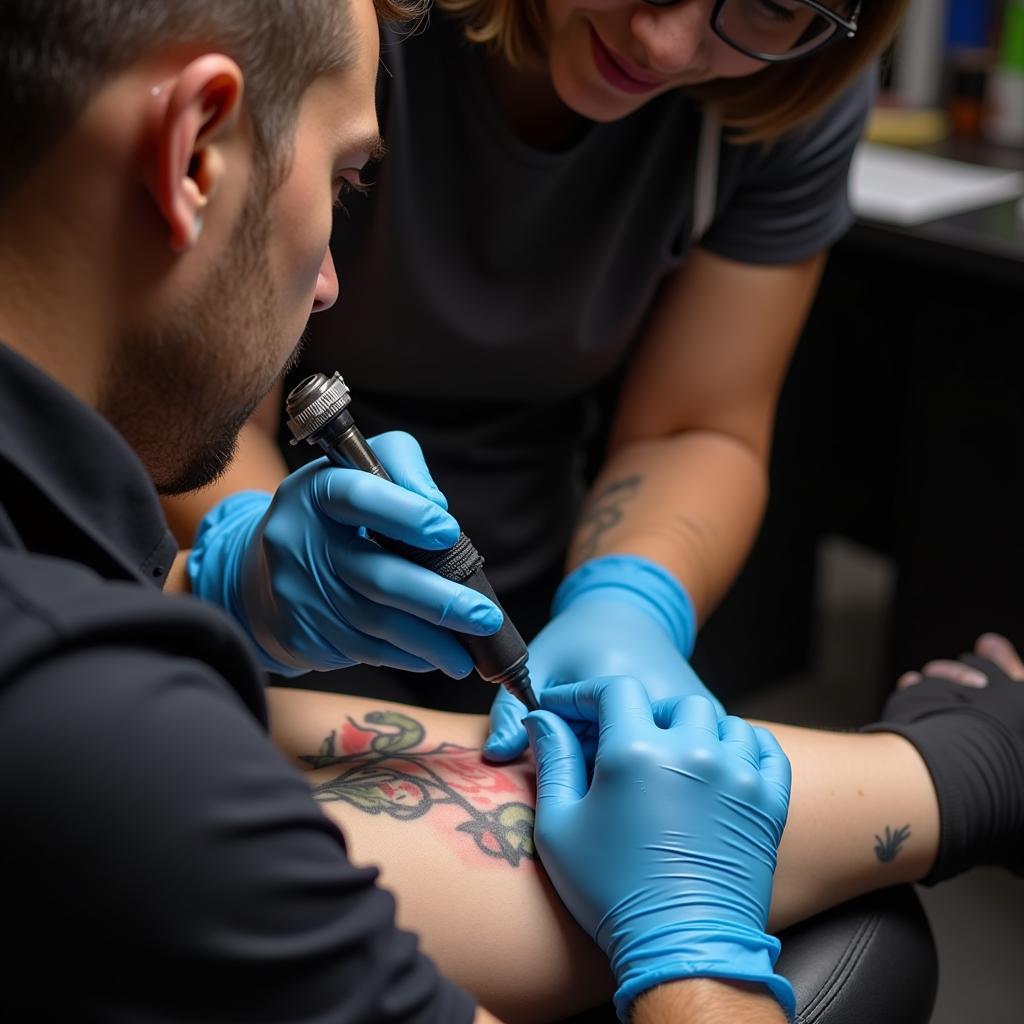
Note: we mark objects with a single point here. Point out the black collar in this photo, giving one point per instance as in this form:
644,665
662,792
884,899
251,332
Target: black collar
70,486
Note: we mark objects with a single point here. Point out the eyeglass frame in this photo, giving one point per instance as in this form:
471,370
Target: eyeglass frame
848,26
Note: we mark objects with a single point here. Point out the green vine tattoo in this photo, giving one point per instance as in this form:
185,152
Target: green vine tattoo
604,512
385,773
886,849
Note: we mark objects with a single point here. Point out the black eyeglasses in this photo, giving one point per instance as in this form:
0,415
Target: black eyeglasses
780,30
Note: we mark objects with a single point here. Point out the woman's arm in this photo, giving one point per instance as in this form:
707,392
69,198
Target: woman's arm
685,481
451,835
683,490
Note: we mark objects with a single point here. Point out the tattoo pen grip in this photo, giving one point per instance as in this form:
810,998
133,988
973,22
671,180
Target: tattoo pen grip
499,658
319,415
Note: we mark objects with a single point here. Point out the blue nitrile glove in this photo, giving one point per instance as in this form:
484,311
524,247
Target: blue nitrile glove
619,615
313,592
666,860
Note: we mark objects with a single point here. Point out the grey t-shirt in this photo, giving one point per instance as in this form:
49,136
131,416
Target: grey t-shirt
490,291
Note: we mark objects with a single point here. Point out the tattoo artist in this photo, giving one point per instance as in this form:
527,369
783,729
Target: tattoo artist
602,222
157,836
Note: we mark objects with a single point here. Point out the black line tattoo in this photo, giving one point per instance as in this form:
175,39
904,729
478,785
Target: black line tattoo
384,773
886,849
602,513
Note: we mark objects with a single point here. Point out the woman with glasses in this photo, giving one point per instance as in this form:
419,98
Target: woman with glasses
578,281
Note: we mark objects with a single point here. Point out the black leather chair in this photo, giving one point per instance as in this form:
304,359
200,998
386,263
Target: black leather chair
869,961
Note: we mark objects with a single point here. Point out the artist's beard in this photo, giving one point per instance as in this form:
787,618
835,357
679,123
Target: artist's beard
181,392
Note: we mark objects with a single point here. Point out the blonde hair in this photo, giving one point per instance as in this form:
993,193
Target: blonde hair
758,108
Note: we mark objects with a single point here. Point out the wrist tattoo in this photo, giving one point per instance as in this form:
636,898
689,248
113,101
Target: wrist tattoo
887,847
385,770
603,512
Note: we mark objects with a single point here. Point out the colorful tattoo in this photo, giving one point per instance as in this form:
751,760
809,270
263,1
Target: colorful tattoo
602,513
887,848
385,772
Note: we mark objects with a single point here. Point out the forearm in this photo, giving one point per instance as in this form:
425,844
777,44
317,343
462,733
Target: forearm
480,903
691,502
707,1001
862,816
457,851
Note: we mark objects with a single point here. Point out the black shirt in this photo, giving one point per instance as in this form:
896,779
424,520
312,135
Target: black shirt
161,860
488,289
491,294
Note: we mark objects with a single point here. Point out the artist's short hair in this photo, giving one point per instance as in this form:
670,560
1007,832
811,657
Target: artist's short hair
759,107
56,54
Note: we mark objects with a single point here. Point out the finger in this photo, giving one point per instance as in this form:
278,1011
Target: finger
955,672
387,579
352,646
561,767
738,736
908,679
667,712
696,711
355,498
402,457
342,623
998,649
775,766
433,644
507,739
614,702
672,711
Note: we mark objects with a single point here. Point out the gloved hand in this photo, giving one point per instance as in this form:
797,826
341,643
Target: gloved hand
296,571
614,616
667,859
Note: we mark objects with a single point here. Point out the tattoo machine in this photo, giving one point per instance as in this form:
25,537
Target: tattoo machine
318,414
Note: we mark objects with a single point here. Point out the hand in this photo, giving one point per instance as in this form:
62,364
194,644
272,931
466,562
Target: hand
666,860
297,572
966,719
614,616
997,649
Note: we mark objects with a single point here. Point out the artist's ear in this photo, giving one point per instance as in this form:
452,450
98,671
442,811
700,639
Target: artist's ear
192,114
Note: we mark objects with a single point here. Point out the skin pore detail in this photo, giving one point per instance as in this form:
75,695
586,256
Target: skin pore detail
604,512
888,847
387,768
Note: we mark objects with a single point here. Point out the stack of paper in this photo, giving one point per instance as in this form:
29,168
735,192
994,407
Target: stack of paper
899,186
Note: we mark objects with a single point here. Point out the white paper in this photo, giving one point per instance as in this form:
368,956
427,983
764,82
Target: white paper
902,187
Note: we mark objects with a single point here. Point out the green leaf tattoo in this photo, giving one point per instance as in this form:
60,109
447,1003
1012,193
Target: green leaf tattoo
408,735
886,849
384,773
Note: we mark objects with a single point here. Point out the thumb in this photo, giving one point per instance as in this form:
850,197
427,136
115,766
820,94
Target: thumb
506,739
775,769
561,767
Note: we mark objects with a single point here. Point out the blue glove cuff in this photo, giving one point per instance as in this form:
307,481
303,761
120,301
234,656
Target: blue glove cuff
215,564
730,955
220,543
637,581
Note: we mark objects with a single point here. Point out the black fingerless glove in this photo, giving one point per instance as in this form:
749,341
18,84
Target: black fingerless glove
972,741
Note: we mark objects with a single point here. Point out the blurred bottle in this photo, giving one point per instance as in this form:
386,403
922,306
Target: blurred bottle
1004,108
919,55
969,56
